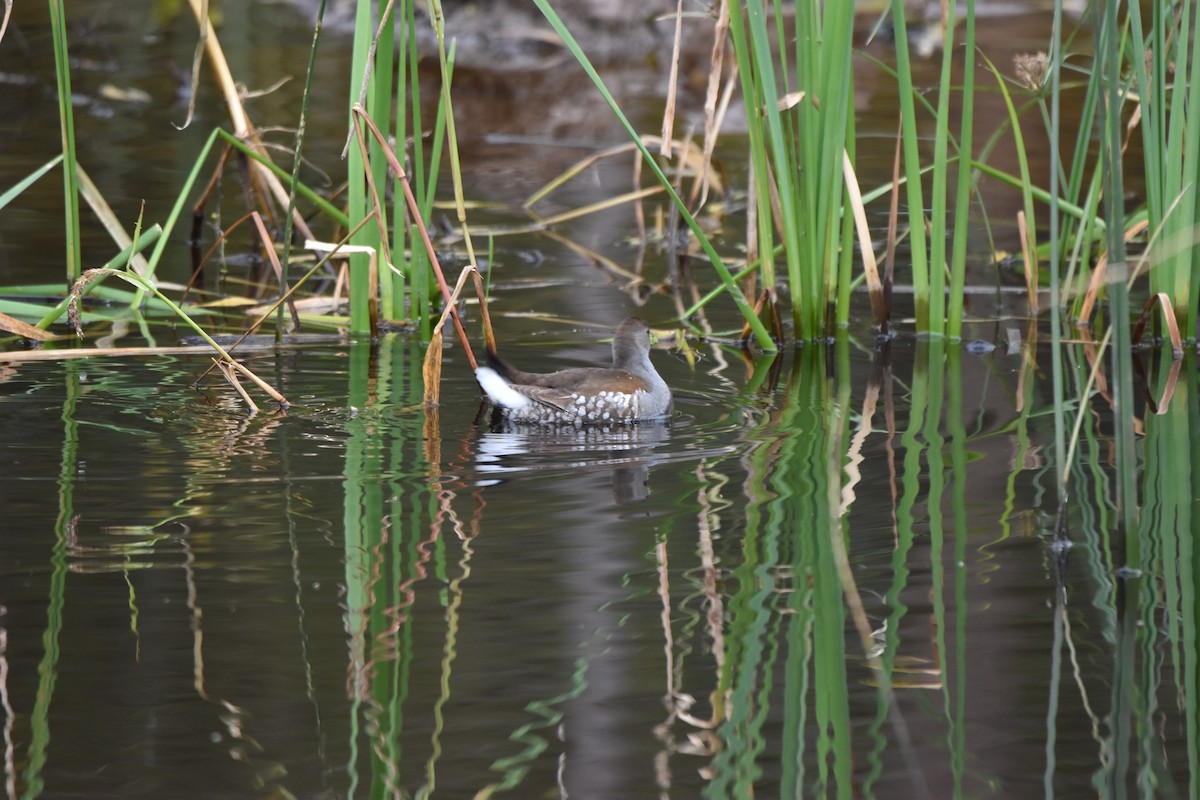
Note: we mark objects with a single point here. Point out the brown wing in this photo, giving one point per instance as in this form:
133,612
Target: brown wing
587,380
577,380
553,398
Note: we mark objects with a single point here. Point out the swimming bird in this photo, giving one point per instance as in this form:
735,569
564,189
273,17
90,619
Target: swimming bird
628,391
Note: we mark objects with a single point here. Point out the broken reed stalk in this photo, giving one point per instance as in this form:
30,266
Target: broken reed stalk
1099,276
713,118
1163,301
867,251
145,284
431,369
24,329
668,123
70,353
231,376
1029,254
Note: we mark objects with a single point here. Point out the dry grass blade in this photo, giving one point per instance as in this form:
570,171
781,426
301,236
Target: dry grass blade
870,266
376,202
1092,295
8,5
1100,275
1029,252
431,369
711,126
489,336
577,168
286,297
142,283
668,125
639,208
67,353
1163,302
1094,355
197,57
1028,369
1158,405
1164,400
24,329
602,205
697,163
599,259
259,382
369,63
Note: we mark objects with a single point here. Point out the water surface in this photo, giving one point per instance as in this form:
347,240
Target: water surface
831,574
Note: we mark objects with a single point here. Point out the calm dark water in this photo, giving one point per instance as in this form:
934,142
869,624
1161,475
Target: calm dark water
331,602
830,575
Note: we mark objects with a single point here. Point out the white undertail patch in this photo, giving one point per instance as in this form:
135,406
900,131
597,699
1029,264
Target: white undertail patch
498,389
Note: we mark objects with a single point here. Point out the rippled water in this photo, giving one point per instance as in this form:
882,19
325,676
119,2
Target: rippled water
353,597
831,574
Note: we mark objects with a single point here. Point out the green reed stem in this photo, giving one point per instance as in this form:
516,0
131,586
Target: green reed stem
936,323
912,169
1108,54
1058,378
20,186
356,194
1165,67
66,116
962,205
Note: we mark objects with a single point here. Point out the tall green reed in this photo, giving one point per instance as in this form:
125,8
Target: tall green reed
1164,62
1109,73
799,103
364,75
930,260
62,71
385,79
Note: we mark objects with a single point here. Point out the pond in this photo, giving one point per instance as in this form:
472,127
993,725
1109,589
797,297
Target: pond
835,572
